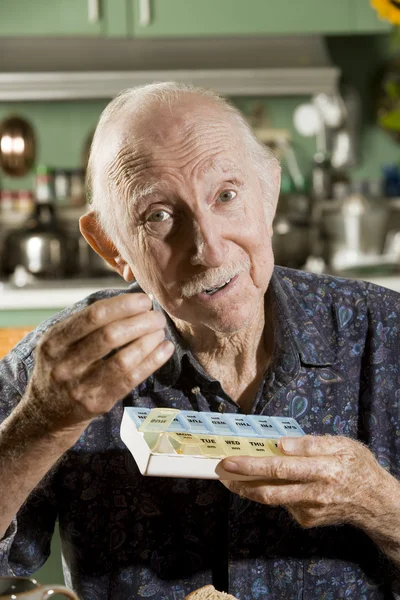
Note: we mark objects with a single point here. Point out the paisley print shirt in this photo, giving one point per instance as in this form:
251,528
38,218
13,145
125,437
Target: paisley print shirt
336,369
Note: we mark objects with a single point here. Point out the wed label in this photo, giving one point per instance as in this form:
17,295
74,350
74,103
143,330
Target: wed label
235,445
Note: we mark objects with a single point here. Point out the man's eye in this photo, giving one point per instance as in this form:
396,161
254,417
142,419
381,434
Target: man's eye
227,195
158,216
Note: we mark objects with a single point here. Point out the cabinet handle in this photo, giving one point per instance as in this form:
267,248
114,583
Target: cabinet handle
144,13
93,11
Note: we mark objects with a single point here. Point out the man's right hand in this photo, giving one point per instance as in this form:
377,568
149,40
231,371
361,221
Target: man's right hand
83,366
86,363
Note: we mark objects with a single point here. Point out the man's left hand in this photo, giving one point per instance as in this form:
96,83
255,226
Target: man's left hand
321,481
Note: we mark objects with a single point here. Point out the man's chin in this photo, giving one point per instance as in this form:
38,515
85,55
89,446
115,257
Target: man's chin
230,321
224,312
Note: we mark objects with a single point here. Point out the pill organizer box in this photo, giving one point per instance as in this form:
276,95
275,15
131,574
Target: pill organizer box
178,443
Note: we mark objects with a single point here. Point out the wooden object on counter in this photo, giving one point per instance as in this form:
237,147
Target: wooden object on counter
10,336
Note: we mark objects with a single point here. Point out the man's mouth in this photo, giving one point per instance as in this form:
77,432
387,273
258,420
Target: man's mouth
211,291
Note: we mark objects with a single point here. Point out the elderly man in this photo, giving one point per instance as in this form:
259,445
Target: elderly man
183,200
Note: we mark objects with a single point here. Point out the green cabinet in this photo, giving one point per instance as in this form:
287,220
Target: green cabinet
186,18
63,18
179,18
366,18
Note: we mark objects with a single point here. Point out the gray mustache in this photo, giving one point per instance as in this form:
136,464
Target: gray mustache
213,278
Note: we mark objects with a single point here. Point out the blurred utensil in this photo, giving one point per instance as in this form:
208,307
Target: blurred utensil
354,229
345,139
40,246
290,242
331,108
291,238
289,156
91,263
17,146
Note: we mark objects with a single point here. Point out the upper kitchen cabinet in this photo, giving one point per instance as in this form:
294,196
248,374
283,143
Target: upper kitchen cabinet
101,18
366,19
185,18
179,18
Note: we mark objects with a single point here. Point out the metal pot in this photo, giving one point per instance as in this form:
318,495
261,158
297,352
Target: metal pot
91,263
41,247
290,242
354,230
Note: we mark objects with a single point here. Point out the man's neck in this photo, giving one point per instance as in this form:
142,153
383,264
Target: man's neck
237,360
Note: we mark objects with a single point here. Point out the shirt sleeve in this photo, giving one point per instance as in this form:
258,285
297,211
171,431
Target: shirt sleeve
26,544
380,388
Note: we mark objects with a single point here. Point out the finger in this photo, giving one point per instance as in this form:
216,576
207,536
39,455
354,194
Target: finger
310,445
102,341
280,494
283,468
91,318
115,377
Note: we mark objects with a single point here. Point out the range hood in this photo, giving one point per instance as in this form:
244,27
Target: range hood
67,69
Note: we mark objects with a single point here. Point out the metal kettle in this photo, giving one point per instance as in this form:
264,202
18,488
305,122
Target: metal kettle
291,226
354,228
40,246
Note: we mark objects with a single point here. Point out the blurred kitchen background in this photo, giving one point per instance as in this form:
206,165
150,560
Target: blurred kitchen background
317,80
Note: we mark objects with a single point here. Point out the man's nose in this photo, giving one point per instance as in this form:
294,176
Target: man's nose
210,248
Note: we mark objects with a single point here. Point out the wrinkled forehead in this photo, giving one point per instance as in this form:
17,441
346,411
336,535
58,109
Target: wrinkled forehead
142,150
177,131
185,117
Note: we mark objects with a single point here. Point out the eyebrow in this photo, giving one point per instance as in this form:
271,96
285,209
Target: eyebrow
143,191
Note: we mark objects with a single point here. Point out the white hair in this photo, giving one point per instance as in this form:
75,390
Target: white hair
148,97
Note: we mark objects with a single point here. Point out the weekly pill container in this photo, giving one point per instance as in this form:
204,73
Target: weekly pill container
179,443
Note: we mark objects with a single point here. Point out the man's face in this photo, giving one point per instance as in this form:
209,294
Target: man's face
198,241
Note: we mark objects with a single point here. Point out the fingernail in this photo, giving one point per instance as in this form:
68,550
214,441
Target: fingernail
229,465
144,301
287,444
151,297
167,347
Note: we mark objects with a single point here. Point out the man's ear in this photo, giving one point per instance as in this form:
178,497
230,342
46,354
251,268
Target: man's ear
101,243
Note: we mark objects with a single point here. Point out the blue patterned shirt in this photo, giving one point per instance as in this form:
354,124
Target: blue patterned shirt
335,369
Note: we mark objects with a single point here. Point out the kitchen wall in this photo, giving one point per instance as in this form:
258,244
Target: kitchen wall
62,127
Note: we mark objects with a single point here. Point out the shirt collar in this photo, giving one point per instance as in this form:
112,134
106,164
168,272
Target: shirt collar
311,346
169,373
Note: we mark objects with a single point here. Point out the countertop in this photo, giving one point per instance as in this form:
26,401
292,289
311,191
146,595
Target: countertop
59,294
392,282
53,294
